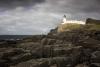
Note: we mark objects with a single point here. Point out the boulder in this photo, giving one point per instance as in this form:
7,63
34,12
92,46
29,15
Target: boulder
33,63
92,21
56,50
44,62
95,57
20,58
44,41
37,53
81,65
62,61
48,41
3,63
12,52
90,43
95,65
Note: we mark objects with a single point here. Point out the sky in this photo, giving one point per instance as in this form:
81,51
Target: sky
32,17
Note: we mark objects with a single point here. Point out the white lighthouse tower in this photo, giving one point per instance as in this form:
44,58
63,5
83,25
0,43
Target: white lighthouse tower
64,19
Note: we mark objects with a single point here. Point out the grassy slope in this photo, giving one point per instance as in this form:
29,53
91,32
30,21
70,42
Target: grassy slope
73,26
68,27
94,27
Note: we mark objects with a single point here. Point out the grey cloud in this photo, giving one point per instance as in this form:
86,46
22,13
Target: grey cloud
76,5
16,3
86,5
78,9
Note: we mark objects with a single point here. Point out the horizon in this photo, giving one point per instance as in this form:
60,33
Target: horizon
34,17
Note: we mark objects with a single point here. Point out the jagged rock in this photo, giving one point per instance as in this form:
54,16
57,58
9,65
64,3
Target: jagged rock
10,56
45,62
29,45
3,63
44,41
8,43
37,53
95,58
47,51
55,50
59,42
13,52
76,54
62,51
34,63
53,31
89,43
47,41
92,21
51,41
19,58
95,65
62,61
80,55
34,38
81,65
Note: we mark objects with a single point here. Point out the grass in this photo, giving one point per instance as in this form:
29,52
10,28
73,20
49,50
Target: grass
74,26
94,27
68,27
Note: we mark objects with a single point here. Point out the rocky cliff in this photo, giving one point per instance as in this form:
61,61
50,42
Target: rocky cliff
92,21
75,48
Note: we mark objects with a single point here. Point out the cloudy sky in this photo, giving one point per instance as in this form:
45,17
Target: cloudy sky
27,17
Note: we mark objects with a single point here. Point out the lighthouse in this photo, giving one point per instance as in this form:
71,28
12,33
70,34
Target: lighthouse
64,19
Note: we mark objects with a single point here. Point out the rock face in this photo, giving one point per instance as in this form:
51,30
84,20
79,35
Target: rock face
92,21
76,48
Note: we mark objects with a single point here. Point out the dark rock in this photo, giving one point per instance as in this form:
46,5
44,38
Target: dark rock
3,63
51,41
92,21
37,53
95,58
56,50
10,56
81,65
89,43
44,41
34,63
95,65
45,62
47,41
12,52
7,43
62,61
19,58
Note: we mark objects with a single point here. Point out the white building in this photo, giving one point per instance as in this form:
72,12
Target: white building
65,21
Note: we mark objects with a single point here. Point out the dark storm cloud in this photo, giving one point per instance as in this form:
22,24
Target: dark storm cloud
75,9
15,3
86,5
82,5
85,8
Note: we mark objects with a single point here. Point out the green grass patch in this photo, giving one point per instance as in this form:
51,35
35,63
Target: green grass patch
68,27
93,27
74,26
